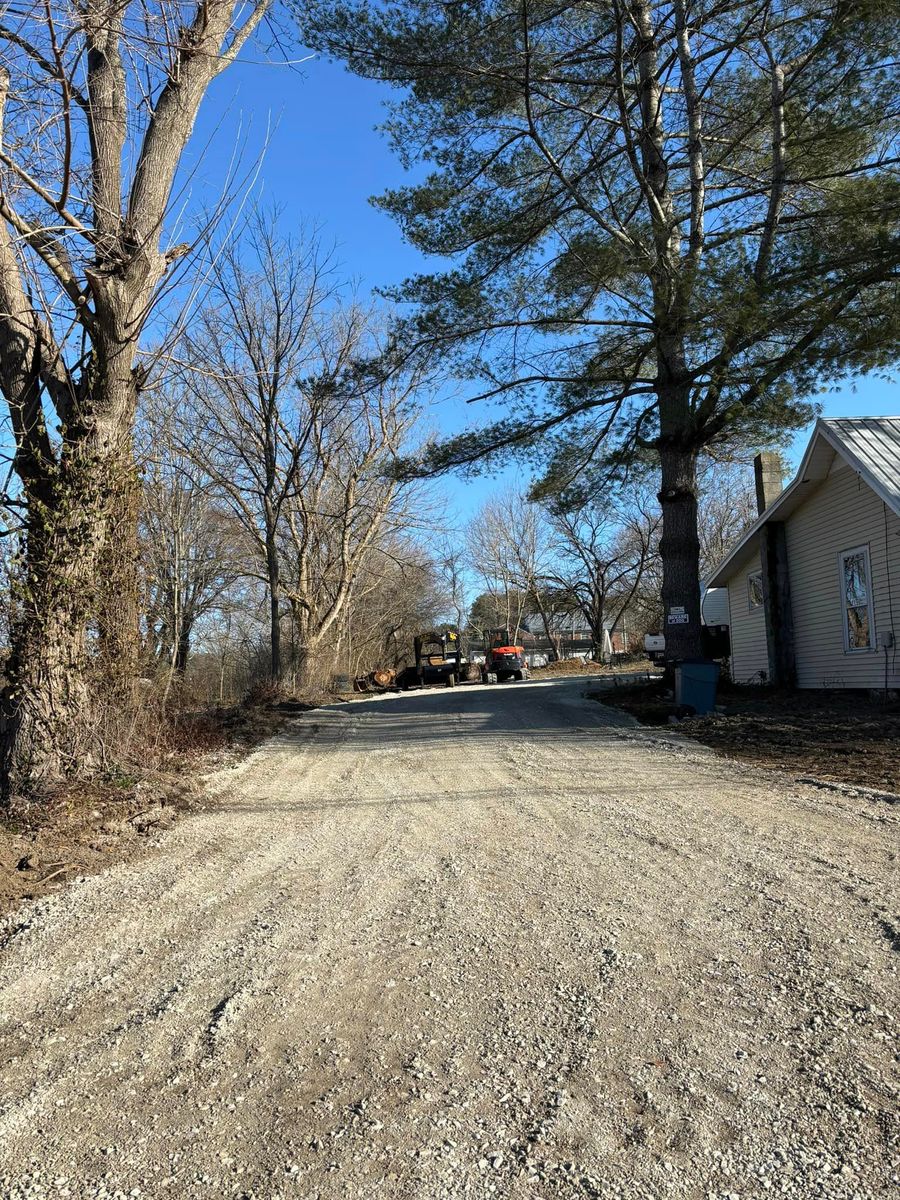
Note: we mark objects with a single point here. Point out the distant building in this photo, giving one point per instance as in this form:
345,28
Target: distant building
571,631
564,625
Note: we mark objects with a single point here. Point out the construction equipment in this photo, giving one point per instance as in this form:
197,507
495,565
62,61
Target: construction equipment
502,658
439,663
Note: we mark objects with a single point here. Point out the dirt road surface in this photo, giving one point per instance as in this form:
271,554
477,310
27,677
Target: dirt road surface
489,942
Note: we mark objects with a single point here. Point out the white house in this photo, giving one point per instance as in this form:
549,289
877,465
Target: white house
814,584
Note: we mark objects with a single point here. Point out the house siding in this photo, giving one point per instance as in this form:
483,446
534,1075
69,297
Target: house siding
841,514
749,655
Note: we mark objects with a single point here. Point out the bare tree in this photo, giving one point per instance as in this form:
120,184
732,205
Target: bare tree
261,329
97,103
495,561
451,562
346,502
191,546
727,508
604,554
293,430
397,594
493,608
512,543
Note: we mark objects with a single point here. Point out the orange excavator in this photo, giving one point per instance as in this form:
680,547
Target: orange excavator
503,659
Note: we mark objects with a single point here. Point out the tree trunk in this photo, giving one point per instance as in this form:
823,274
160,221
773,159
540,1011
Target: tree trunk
552,655
118,614
307,674
182,650
105,421
64,688
49,710
680,551
592,615
310,638
274,583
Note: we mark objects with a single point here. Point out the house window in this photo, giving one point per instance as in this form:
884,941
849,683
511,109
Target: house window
856,595
755,590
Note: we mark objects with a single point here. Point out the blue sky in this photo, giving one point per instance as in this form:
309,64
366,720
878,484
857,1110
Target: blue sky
325,159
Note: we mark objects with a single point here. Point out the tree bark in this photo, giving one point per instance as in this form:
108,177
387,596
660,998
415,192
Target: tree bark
273,572
182,651
118,609
309,639
680,551
308,665
595,620
48,708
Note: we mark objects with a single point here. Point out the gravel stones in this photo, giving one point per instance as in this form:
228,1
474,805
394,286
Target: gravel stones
580,967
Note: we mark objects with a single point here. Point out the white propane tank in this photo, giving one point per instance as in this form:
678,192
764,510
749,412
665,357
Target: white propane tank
714,608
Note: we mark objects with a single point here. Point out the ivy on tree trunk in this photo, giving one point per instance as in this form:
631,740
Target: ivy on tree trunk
84,197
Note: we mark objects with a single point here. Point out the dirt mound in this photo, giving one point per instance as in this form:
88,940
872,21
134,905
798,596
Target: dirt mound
571,666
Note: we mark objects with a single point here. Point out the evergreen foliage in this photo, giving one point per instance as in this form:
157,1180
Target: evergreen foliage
672,222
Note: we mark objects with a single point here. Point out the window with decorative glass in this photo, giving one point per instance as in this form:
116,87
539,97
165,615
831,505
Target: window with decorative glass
755,590
856,596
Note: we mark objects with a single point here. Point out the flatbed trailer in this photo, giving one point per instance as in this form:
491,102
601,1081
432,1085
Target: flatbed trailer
439,663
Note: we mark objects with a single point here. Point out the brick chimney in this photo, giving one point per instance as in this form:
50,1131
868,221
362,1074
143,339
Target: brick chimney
767,468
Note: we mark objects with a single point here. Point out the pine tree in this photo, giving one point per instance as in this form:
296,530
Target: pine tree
672,223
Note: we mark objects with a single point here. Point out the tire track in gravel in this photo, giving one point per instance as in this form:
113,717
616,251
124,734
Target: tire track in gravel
489,943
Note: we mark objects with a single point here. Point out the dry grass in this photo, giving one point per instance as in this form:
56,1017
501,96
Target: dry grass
84,825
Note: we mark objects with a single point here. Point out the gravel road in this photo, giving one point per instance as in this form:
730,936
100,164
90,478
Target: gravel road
488,942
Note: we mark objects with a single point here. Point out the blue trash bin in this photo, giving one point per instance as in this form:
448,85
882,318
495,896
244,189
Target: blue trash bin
695,685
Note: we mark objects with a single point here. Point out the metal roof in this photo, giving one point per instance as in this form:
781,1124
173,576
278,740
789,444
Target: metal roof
871,446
